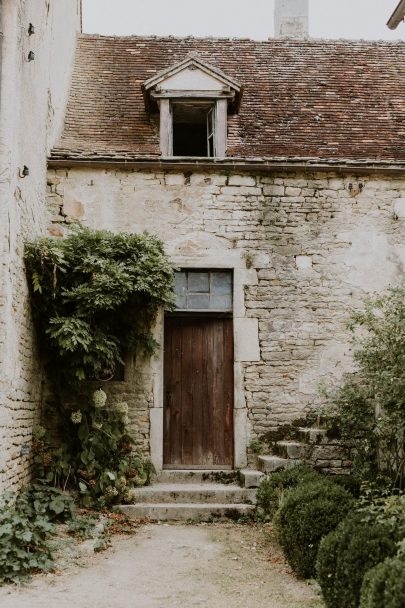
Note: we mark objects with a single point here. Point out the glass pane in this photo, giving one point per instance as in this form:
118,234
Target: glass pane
198,282
197,302
221,303
181,302
221,283
180,283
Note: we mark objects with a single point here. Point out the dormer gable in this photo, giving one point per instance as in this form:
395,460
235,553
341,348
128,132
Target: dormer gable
190,77
194,100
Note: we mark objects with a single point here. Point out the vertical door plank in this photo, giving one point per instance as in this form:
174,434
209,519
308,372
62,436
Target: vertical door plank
198,368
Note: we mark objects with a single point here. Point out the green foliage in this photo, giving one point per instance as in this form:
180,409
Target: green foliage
273,490
308,513
98,458
83,526
369,407
346,554
25,527
384,585
95,296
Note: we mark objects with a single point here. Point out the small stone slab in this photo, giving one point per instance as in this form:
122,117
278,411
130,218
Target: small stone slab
251,478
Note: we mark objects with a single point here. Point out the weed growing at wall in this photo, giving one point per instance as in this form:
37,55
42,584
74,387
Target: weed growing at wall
95,297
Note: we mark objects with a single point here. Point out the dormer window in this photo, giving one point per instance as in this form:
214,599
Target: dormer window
194,100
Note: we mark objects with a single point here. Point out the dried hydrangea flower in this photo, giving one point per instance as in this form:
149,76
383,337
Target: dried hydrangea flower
76,417
122,408
99,398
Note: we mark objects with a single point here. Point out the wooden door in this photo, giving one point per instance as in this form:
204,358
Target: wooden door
198,392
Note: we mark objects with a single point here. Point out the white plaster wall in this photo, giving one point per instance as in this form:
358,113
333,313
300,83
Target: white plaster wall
33,96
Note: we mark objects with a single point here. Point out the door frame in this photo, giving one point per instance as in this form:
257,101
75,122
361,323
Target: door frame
244,350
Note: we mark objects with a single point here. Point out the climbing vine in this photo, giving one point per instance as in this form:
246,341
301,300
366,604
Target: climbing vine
95,297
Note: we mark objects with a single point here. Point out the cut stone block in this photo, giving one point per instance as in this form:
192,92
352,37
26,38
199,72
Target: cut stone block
291,449
251,478
186,511
271,464
193,493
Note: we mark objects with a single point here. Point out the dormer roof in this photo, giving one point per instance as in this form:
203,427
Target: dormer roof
192,76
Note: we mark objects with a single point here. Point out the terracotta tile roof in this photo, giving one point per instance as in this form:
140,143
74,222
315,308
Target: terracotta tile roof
307,99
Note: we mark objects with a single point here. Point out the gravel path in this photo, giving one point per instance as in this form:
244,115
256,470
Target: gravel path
174,566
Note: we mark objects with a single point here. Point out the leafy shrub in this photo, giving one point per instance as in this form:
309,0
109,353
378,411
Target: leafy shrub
369,406
25,527
95,295
310,512
273,490
350,483
384,585
346,554
40,499
100,460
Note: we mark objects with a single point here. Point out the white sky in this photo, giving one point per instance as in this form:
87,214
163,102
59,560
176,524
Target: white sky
240,18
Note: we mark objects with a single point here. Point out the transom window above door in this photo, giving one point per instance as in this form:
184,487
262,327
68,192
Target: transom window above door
199,290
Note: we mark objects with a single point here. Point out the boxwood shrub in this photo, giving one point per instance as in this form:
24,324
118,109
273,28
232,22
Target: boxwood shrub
384,585
272,490
310,512
346,554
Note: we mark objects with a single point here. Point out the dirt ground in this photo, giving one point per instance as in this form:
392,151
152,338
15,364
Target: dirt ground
171,566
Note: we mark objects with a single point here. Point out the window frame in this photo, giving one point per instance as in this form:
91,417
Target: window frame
219,123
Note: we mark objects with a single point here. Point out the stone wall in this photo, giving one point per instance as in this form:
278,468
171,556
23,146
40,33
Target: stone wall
309,248
33,98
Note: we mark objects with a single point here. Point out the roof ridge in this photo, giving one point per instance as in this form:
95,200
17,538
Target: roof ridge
281,41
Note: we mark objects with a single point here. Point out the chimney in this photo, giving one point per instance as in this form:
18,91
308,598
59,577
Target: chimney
291,18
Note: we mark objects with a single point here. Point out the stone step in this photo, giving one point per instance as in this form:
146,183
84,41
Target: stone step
192,493
290,449
186,511
312,435
271,464
198,476
251,478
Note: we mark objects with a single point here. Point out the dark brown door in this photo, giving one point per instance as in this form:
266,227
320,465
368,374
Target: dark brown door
198,399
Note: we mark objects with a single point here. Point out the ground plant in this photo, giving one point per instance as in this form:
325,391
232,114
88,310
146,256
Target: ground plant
347,553
95,297
26,525
384,585
368,408
274,489
309,512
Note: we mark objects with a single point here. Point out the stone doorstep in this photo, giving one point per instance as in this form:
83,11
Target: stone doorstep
186,511
198,476
169,493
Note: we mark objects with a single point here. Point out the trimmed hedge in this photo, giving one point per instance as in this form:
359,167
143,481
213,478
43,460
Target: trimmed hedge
272,490
384,585
346,554
310,512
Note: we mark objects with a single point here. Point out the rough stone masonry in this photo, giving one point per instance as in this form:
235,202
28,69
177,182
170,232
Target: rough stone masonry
308,246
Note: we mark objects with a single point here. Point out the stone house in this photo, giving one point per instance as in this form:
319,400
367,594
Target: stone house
274,172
